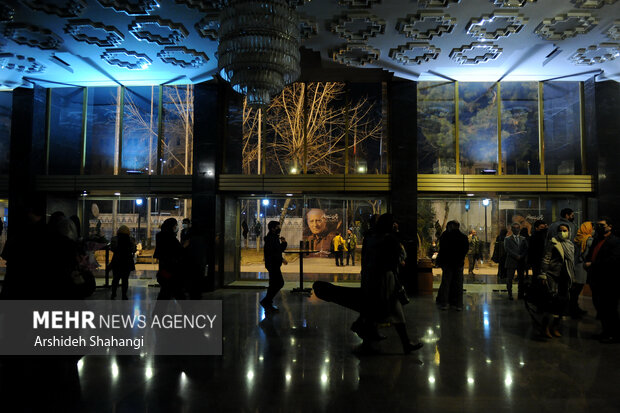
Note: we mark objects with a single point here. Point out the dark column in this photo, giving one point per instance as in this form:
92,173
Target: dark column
591,141
403,170
27,156
403,154
206,211
608,134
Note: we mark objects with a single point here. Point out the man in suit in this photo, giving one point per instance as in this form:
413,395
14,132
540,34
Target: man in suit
516,253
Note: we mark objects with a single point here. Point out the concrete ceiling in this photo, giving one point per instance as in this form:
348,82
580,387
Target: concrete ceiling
133,42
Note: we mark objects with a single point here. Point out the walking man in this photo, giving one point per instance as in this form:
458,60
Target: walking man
516,253
274,246
453,247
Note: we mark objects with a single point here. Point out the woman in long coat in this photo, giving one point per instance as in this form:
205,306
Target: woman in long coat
558,273
124,248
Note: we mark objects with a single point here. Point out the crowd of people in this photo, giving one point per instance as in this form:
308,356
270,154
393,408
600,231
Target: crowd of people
551,267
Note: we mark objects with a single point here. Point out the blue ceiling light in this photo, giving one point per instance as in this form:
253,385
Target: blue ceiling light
182,56
132,60
139,28
85,30
265,202
131,7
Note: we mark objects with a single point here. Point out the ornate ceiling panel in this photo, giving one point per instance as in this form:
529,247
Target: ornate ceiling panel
359,4
157,30
131,7
511,3
176,41
126,59
208,26
592,4
182,56
414,53
426,24
20,63
564,26
511,23
85,30
613,33
356,54
475,53
436,3
31,35
358,26
61,8
596,54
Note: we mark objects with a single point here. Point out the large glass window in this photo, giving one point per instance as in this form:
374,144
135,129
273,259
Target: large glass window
520,128
315,221
367,116
102,138
562,128
436,139
275,140
65,135
6,101
140,129
178,124
478,127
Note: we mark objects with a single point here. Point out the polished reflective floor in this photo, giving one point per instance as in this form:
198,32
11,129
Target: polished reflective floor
487,358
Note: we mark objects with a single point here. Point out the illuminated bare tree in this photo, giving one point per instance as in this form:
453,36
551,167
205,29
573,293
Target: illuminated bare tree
326,121
177,138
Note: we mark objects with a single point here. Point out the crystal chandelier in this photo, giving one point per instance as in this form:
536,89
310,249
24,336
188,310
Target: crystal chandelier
259,47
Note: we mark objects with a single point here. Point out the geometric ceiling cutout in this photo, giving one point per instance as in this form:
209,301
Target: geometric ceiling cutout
426,24
564,26
308,27
614,31
503,24
126,58
358,26
182,56
154,29
592,4
602,53
359,4
204,6
32,35
131,7
355,54
511,3
20,63
61,8
208,26
85,30
475,53
7,13
414,53
436,3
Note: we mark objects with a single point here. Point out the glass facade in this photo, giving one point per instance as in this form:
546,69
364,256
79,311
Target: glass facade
178,122
140,116
65,130
436,134
478,127
311,220
562,128
345,130
434,212
6,102
102,131
519,120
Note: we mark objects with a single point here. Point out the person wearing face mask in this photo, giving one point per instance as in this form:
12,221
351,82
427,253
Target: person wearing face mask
185,232
567,217
602,263
558,271
169,252
274,247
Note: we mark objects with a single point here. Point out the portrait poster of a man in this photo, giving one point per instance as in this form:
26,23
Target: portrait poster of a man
320,228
